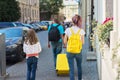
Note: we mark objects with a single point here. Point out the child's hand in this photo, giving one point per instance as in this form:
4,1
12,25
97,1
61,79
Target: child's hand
48,45
64,46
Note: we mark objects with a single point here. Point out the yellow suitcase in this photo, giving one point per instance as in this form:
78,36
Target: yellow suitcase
62,67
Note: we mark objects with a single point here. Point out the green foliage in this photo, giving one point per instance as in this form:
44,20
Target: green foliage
94,23
93,35
9,10
116,58
103,32
115,51
51,6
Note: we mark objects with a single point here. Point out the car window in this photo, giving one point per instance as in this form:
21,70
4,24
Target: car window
6,24
12,32
19,24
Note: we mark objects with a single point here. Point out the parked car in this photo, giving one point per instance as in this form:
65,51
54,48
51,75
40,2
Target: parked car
35,26
42,25
7,24
28,25
19,24
10,24
48,22
14,43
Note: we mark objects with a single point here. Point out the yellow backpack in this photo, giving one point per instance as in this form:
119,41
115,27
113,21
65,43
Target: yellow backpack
74,44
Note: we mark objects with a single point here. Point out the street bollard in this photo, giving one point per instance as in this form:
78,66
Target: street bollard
2,57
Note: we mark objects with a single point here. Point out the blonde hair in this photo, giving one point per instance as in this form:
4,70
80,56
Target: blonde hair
31,37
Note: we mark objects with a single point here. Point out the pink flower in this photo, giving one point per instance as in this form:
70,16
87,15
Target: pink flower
107,19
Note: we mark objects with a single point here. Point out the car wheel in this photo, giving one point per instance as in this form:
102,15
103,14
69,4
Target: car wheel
20,53
21,57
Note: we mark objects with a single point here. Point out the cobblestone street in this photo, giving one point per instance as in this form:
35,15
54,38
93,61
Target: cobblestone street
45,70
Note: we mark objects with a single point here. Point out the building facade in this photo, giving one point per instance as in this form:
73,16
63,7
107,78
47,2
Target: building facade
109,67
29,10
70,9
104,9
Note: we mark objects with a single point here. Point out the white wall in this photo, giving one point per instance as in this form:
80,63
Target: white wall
114,37
70,2
118,16
99,10
83,13
96,9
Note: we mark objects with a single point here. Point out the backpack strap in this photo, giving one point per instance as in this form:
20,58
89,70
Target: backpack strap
73,31
78,31
58,25
54,26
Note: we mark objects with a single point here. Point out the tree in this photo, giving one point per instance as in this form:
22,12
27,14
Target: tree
51,6
9,10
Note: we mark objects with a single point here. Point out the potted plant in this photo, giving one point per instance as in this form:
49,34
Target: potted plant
103,31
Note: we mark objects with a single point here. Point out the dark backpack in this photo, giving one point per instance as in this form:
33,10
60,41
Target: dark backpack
54,34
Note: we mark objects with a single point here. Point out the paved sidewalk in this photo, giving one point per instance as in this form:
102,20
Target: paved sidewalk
45,70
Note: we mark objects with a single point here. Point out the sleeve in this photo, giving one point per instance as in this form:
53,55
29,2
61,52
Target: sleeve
82,32
24,47
67,31
61,29
49,28
39,47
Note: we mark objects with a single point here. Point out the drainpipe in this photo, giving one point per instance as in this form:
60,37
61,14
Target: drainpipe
79,8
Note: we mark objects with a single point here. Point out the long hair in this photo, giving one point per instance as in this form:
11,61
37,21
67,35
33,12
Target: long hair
77,20
31,37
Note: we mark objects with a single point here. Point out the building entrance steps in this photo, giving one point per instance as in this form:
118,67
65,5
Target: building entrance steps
91,56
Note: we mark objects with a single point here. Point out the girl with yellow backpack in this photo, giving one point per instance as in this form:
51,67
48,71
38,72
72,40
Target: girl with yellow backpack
73,41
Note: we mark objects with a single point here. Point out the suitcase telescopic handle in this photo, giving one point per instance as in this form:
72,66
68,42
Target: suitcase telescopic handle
63,50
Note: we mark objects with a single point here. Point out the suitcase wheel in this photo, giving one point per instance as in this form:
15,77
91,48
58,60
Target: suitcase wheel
57,74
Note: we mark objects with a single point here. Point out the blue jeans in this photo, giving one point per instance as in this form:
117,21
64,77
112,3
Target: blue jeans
56,48
31,68
78,58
